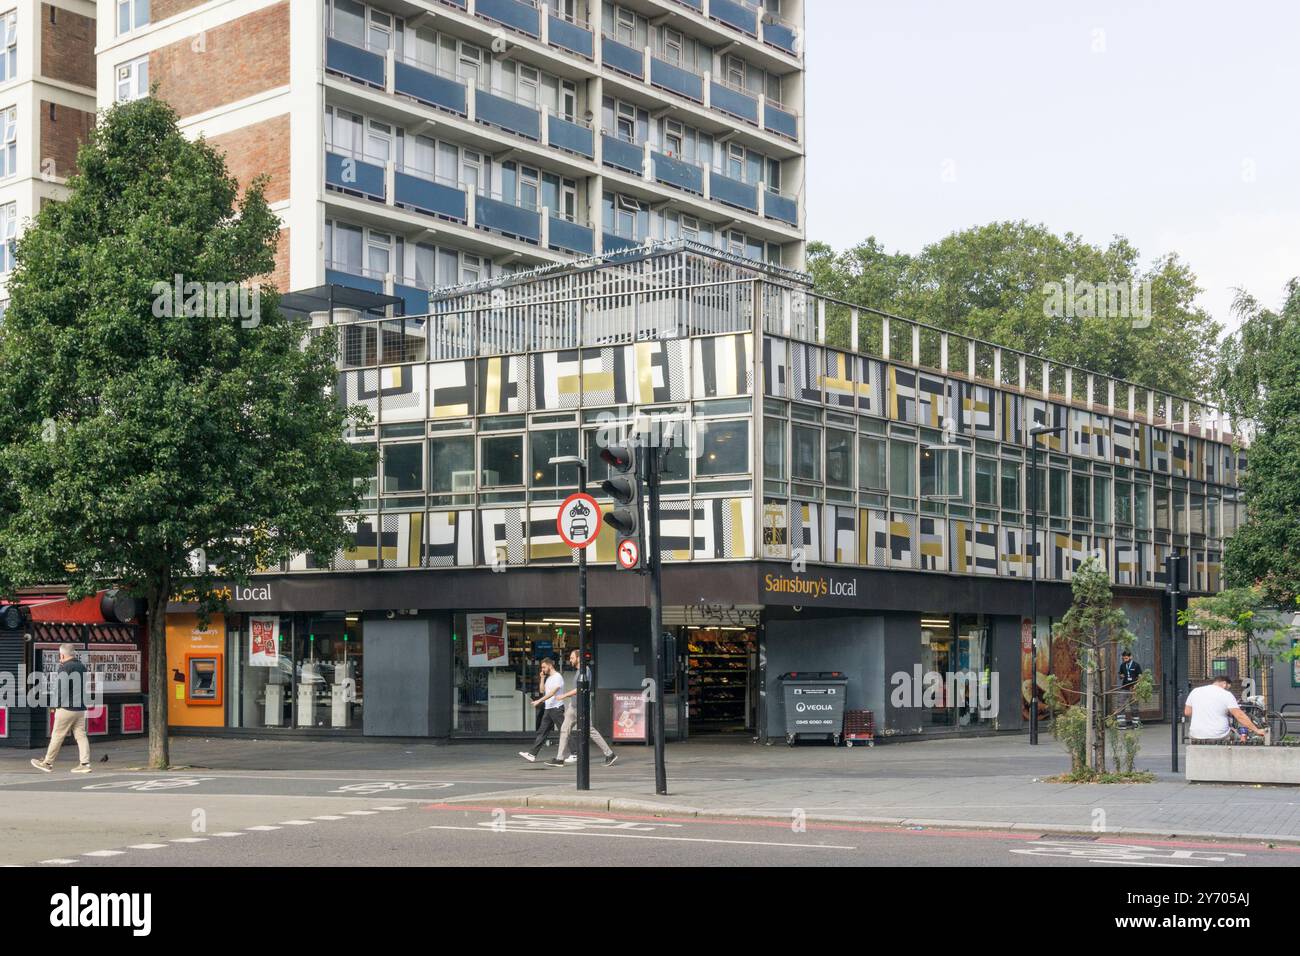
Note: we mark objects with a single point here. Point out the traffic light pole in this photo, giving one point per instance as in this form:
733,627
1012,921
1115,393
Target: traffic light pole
1173,573
582,682
656,618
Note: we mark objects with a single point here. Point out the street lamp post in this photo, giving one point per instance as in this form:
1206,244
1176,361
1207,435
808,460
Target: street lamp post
582,681
1033,575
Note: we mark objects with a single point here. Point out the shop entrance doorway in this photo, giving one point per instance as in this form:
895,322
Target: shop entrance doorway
721,671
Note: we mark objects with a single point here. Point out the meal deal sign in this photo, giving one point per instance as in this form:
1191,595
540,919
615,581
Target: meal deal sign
488,644
629,715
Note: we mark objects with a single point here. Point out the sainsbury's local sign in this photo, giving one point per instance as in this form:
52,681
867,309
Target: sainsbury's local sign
811,588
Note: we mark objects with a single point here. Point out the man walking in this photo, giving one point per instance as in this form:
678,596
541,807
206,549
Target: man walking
553,708
1129,672
70,713
571,722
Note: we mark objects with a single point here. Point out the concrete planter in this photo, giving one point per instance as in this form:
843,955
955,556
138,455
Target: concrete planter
1233,764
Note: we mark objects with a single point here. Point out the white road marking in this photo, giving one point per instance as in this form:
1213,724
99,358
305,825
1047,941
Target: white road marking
296,823
262,829
360,813
1182,866
390,808
328,816
228,833
638,836
189,840
104,853
54,861
147,846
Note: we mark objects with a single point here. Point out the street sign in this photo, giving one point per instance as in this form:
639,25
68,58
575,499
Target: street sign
629,554
578,520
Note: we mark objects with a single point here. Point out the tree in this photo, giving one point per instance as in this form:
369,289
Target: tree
135,429
1097,632
1005,281
1258,381
1246,617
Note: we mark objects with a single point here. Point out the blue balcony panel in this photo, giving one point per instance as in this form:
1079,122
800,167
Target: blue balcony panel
364,283
429,88
571,236
736,15
570,36
693,4
782,208
623,58
429,196
621,154
676,80
780,36
523,17
733,191
417,300
507,217
571,136
735,102
355,62
354,175
674,172
615,243
780,121
509,115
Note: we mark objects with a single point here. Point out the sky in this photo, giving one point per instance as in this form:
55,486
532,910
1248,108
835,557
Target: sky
1175,124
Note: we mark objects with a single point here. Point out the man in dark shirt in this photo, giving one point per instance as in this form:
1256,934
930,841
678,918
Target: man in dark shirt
1129,672
69,690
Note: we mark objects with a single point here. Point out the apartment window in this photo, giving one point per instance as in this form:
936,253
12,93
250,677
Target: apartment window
560,196
8,235
379,34
471,170
626,122
379,252
473,268
774,175
674,137
625,26
130,14
734,70
133,80
348,22
8,141
9,45
632,218
519,185
672,46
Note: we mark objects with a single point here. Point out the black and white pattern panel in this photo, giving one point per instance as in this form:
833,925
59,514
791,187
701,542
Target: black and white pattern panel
723,367
450,539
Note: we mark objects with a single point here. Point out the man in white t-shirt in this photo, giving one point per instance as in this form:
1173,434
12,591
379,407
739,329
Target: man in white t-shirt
1209,707
553,712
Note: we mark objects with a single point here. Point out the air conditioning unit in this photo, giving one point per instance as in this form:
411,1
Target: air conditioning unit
462,481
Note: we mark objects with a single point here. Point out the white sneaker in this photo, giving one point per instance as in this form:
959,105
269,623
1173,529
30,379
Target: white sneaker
572,758
41,765
523,753
81,768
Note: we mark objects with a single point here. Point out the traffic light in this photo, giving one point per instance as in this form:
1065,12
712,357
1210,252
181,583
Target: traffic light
624,486
13,617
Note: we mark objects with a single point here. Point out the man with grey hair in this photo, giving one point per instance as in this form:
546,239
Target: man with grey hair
69,699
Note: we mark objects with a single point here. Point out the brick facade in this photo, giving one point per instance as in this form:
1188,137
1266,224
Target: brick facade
280,277
68,46
160,10
225,64
63,130
262,148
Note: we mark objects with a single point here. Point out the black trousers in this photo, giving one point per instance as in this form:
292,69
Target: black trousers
552,720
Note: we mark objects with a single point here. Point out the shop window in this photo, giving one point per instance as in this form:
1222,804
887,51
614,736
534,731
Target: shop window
502,458
723,449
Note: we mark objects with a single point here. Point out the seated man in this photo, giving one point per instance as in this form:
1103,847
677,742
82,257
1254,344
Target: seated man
1209,707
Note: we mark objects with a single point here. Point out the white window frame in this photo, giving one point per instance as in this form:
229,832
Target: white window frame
8,234
8,142
9,45
135,10
674,46
624,31
137,73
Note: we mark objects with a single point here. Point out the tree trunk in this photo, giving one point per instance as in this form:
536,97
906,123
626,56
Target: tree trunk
1090,689
156,595
1104,696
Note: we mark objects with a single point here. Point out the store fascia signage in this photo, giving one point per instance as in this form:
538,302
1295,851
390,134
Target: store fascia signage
228,593
807,587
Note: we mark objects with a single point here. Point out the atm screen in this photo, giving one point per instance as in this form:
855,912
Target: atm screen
203,678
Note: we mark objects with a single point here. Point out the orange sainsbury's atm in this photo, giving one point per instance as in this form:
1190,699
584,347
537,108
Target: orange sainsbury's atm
195,664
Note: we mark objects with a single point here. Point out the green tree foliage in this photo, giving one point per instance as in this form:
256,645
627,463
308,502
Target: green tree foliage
1259,380
129,439
1246,615
996,282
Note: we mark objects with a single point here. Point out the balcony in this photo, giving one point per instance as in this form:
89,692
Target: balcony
621,154
780,35
675,172
421,191
571,236
743,18
733,192
430,88
352,174
495,110
780,121
353,277
516,14
571,35
623,58
508,218
353,61
615,243
781,208
674,79
735,102
697,5
416,300
563,134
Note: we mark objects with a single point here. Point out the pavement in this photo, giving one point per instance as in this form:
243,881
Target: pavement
992,783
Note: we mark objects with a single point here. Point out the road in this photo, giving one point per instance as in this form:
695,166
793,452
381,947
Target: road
263,818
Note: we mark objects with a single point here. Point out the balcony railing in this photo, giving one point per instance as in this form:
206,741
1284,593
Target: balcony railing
676,172
780,207
520,15
354,61
568,135
781,121
427,193
738,103
507,216
621,154
354,277
572,236
676,79
427,84
355,173
733,192
739,15
780,34
621,57
497,108
572,34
